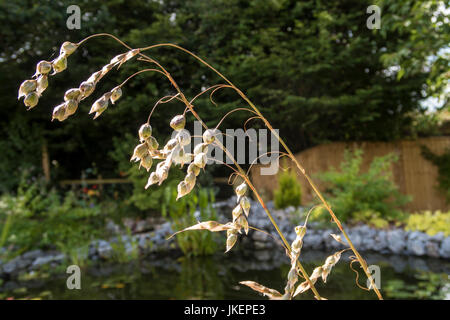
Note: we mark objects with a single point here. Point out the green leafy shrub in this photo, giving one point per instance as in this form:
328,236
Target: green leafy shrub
186,212
429,222
289,191
370,196
443,163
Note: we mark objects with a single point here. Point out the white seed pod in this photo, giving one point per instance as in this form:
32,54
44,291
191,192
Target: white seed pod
209,136
200,148
107,68
162,173
170,145
31,100
26,87
100,104
152,180
200,160
152,143
118,58
145,131
139,152
184,137
87,88
146,162
292,277
245,204
241,189
42,83
95,77
71,107
72,94
300,231
43,67
188,157
178,155
192,168
59,112
130,54
182,189
317,273
237,212
59,64
297,245
190,178
116,93
67,48
178,122
242,221
231,239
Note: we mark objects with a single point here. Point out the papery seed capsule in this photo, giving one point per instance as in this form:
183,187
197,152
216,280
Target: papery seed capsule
42,83
241,189
194,169
100,104
243,223
237,212
152,143
178,122
147,162
87,88
118,58
130,54
145,131
245,204
152,180
184,137
71,107
116,94
297,245
209,136
31,100
188,157
162,173
292,276
67,48
59,112
139,152
178,155
26,87
95,77
171,144
182,189
59,64
200,160
300,231
72,94
201,148
190,178
231,239
107,68
43,67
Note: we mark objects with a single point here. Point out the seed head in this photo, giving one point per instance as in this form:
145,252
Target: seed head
43,67
300,231
190,178
242,221
147,162
107,68
100,104
31,100
145,131
241,189
170,145
72,94
231,239
116,94
245,204
184,137
118,58
139,152
71,107
59,112
200,160
208,136
192,168
178,155
178,122
95,77
237,212
152,180
162,173
182,189
152,143
26,87
67,48
201,148
59,64
42,83
87,88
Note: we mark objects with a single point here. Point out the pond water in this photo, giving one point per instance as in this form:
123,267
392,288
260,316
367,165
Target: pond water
218,277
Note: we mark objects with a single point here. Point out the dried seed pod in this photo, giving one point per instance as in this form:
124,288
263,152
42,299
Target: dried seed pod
231,239
178,122
200,148
271,293
67,48
170,145
209,136
100,104
59,64
146,162
184,137
145,131
116,94
182,189
130,54
152,143
200,160
297,245
242,221
87,88
192,168
71,107
107,68
190,178
300,231
95,77
152,180
31,100
59,112
139,152
26,87
241,189
237,212
245,204
188,157
162,173
212,226
43,67
118,58
72,94
178,155
42,83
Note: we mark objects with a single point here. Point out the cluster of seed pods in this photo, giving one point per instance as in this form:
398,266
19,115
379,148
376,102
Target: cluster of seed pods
33,89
